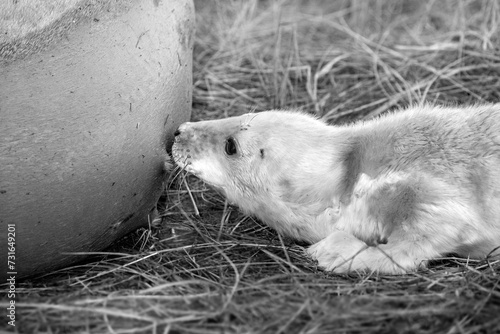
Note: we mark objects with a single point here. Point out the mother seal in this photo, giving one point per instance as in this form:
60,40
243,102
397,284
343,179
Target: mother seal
384,195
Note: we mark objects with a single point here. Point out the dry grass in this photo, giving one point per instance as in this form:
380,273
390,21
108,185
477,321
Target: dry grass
220,271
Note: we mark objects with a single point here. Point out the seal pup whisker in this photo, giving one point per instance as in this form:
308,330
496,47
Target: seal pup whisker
246,123
179,174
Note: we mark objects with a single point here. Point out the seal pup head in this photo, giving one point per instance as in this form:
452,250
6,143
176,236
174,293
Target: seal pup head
279,166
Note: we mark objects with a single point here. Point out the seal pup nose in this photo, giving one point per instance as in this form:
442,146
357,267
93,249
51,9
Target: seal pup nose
181,129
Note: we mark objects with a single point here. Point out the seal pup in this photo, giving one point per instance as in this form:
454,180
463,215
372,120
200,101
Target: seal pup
383,195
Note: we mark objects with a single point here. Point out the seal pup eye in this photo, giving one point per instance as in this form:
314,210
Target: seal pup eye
231,146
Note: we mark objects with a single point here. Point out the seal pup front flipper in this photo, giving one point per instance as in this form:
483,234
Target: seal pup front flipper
378,206
395,223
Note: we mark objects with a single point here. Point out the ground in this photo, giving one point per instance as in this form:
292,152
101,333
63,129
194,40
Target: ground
207,268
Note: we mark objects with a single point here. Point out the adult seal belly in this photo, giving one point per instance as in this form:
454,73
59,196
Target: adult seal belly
91,93
384,195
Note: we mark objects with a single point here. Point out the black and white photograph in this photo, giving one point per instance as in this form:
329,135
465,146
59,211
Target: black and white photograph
250,166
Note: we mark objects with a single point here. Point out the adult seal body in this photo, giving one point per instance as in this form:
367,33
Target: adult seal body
91,92
384,195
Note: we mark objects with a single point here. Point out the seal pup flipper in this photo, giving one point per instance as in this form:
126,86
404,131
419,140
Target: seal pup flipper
341,252
378,206
419,216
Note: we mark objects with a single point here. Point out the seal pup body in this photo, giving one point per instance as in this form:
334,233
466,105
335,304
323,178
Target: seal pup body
384,195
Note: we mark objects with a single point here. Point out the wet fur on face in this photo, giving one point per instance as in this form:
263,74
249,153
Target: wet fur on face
386,195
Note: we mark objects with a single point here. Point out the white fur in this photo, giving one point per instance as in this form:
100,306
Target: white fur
384,195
